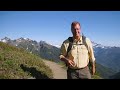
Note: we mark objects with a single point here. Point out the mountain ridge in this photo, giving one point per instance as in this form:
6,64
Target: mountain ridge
50,52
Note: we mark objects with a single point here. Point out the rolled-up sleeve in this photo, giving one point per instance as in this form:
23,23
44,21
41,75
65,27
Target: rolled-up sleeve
63,51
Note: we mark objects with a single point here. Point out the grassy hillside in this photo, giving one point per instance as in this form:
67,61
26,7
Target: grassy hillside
17,63
115,76
109,57
104,72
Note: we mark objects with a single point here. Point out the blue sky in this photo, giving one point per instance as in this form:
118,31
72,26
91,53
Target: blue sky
102,27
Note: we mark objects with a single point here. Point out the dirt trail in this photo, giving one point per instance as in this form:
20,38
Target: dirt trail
58,71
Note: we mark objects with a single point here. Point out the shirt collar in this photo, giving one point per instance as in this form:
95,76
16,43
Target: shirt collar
80,39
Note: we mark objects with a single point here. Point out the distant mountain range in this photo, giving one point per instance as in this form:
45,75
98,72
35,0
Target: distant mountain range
106,56
42,49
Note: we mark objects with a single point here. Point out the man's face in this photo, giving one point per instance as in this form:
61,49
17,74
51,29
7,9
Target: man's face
76,30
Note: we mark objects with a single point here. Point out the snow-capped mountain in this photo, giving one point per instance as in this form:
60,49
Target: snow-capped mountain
107,56
96,45
5,40
41,48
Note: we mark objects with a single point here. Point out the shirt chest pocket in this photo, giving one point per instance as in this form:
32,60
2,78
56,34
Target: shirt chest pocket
73,50
84,49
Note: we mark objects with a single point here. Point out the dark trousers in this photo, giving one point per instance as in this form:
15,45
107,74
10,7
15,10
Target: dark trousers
83,73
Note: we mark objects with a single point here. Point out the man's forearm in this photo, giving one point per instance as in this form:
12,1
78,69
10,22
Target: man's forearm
67,61
64,59
93,64
93,68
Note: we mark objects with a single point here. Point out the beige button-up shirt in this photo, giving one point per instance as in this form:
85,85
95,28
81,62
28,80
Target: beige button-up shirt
80,54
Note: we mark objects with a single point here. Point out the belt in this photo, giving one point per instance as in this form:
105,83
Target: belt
77,68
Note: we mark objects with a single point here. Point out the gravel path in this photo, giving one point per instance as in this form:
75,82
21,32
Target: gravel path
58,71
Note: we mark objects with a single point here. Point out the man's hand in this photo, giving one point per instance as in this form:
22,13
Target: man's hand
67,61
70,63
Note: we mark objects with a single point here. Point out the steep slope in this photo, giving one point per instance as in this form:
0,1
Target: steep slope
17,63
115,76
109,57
105,55
42,49
104,72
50,52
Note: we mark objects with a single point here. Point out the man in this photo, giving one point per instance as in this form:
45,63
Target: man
77,53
